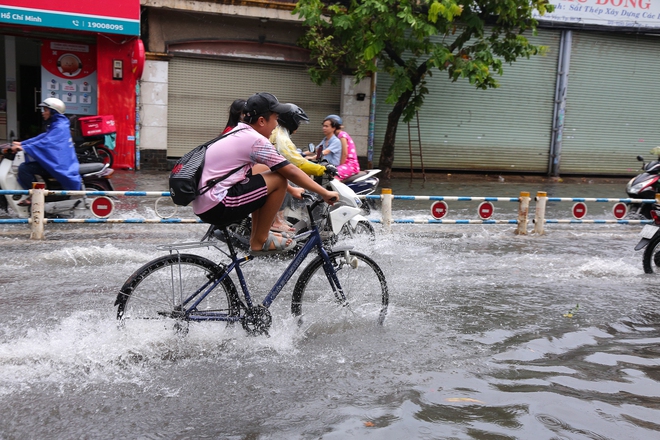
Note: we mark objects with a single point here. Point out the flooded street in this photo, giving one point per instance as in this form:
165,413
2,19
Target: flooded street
489,335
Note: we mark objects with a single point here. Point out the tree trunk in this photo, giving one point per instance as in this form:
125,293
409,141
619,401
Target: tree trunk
387,152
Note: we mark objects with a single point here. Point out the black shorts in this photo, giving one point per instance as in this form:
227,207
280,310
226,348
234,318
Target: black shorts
241,200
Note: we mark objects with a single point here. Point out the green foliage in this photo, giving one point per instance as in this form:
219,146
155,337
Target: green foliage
408,39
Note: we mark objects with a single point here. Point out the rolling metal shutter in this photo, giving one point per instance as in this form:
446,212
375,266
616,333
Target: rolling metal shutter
200,92
507,129
612,108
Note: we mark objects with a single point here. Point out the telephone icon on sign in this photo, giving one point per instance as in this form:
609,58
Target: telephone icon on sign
76,23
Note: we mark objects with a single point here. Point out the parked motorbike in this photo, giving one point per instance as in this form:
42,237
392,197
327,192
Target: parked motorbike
645,185
95,177
93,149
650,239
343,219
89,148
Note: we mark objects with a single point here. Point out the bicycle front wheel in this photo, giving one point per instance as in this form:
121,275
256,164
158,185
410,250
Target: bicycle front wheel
156,290
362,283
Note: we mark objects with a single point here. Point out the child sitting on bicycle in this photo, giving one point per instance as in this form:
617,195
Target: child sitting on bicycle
288,123
259,187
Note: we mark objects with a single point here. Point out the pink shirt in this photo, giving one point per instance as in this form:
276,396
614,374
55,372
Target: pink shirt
245,147
351,166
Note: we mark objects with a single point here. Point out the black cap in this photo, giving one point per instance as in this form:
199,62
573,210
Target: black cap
261,104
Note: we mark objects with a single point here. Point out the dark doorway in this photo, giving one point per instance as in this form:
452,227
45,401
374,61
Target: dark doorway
29,119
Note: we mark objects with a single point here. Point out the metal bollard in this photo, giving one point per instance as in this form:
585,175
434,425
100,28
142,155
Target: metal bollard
386,208
523,211
539,217
37,217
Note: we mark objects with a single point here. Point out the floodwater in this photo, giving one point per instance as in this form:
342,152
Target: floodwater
490,335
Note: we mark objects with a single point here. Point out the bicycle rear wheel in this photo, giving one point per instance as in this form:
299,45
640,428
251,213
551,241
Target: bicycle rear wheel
155,291
363,284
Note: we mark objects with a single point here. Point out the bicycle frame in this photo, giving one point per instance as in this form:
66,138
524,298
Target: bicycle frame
314,241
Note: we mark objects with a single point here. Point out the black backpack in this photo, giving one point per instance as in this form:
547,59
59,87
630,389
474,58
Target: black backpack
185,175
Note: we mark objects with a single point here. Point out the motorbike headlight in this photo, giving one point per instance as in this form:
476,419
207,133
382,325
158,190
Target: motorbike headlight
635,189
358,202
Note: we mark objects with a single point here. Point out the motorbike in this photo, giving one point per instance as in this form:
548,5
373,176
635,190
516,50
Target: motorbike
650,241
95,177
343,219
89,148
93,149
363,183
645,185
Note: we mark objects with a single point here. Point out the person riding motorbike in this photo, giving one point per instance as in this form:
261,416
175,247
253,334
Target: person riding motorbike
50,154
330,146
348,164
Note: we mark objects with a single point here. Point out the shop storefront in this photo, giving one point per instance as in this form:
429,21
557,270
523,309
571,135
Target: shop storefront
586,107
88,54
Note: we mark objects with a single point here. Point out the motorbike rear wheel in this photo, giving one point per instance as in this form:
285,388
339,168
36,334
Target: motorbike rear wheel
651,260
104,155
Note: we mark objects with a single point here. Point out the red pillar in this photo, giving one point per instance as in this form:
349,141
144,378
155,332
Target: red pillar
116,96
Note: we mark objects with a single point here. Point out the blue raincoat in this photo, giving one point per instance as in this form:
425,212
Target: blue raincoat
55,152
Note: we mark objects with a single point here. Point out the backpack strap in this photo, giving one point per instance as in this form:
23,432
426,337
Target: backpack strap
212,182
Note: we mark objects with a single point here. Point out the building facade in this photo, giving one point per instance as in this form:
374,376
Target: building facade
202,55
88,54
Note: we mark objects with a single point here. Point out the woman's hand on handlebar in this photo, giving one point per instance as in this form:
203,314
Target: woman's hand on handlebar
15,146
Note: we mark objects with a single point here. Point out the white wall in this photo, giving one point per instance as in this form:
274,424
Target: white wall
356,113
153,111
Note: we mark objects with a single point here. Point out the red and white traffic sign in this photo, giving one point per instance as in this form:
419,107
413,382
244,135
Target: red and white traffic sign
439,209
579,210
102,207
620,210
485,210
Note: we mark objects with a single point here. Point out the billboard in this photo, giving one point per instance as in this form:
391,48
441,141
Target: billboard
68,72
640,14
113,17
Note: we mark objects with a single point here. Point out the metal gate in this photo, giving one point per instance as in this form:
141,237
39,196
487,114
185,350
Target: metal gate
503,129
201,91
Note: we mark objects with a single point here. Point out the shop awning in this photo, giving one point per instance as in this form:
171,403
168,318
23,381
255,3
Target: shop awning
112,17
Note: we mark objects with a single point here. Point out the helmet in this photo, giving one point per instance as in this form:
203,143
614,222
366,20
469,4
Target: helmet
335,118
292,118
54,104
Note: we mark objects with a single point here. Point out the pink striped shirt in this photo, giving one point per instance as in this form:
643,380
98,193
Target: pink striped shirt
245,147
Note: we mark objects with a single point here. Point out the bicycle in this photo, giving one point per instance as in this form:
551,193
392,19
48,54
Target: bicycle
192,288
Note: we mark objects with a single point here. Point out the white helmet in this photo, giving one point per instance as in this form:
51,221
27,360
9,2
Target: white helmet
54,104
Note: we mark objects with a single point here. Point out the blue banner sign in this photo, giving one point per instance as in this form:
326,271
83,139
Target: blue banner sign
78,22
